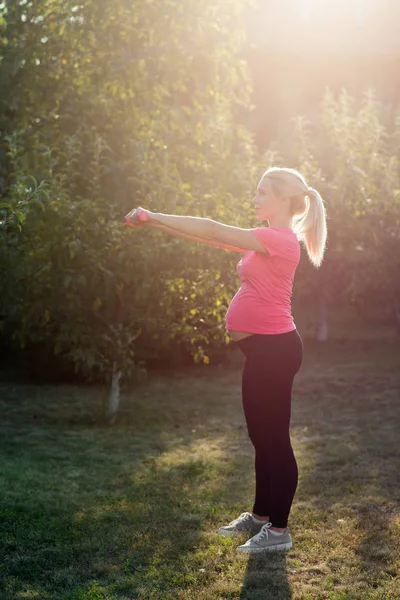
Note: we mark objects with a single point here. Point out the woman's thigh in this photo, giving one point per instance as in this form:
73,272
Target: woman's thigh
268,373
266,400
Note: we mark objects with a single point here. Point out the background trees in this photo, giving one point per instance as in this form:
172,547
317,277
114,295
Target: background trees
114,105
351,153
109,105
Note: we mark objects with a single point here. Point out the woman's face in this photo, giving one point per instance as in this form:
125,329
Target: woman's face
266,204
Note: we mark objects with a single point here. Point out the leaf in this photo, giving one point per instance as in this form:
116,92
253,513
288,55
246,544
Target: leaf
38,202
21,216
32,180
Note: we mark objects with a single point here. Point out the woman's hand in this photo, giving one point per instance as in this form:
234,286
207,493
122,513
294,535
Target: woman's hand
137,217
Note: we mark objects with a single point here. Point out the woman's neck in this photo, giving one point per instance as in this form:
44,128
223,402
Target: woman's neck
282,224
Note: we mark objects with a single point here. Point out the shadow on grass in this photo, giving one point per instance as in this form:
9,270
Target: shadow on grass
266,578
115,530
63,518
93,511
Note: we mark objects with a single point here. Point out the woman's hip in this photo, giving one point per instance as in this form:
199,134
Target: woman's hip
281,348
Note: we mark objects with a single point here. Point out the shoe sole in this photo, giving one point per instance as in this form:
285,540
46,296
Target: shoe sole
280,547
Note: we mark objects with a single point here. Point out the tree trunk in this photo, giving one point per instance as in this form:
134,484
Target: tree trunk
322,325
113,399
396,312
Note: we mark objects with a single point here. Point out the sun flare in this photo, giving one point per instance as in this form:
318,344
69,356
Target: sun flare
332,10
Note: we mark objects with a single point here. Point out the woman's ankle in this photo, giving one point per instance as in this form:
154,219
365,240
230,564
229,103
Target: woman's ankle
260,518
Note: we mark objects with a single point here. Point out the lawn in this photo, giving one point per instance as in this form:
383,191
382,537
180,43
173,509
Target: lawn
95,513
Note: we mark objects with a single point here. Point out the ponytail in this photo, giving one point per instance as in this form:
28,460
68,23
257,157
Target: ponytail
307,209
310,227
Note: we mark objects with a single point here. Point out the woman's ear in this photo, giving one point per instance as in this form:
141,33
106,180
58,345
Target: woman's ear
284,200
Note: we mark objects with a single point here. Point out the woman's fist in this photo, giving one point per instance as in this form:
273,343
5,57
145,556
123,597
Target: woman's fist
136,217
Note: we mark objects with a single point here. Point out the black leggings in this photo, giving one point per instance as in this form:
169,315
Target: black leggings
272,361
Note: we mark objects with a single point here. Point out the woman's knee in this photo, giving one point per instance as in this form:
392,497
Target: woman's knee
271,442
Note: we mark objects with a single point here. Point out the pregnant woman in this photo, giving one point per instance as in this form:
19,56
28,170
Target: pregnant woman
259,321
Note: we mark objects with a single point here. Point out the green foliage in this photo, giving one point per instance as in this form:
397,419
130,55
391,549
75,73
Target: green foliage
101,111
107,113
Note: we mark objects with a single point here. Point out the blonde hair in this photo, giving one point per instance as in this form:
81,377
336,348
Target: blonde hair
307,209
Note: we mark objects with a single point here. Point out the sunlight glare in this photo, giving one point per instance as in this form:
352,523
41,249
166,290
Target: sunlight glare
331,10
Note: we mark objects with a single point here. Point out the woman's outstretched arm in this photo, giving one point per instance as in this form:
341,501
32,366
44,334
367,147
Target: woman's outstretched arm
196,239
206,229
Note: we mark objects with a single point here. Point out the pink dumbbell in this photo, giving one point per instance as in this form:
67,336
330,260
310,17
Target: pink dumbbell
142,215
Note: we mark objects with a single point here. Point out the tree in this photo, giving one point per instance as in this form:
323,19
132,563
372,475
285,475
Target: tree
110,113
351,154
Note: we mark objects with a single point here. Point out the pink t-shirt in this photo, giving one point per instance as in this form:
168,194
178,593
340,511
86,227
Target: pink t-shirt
263,302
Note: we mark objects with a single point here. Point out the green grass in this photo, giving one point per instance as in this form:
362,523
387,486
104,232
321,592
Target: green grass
92,513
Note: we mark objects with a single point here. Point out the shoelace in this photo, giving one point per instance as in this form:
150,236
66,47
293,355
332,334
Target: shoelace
263,532
240,518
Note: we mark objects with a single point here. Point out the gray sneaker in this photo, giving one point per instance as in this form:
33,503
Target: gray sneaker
265,541
243,524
